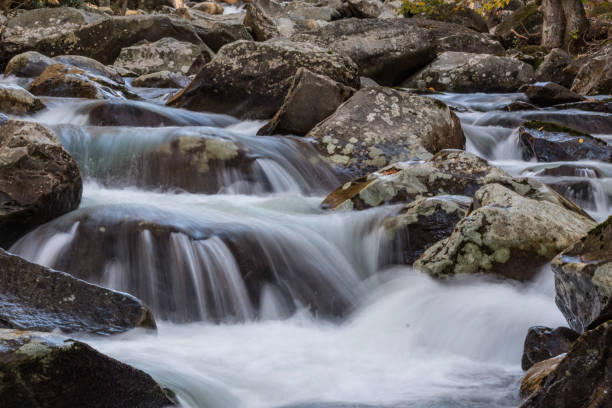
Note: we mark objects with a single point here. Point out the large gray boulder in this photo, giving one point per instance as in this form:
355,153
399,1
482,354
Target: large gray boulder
508,233
15,100
466,72
595,74
33,297
38,179
378,126
311,99
250,79
49,370
583,279
166,54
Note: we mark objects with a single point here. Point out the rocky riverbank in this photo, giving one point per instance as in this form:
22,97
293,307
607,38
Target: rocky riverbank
355,103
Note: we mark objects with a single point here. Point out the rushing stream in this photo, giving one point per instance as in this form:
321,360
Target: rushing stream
321,319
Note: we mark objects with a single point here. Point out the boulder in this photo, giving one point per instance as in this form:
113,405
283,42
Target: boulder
29,64
104,40
261,19
526,21
311,99
422,223
68,81
209,7
378,126
548,142
464,16
38,179
91,66
534,378
250,79
543,343
600,106
166,54
448,172
582,378
456,37
33,297
595,74
49,370
24,31
549,93
556,67
15,100
365,8
508,233
466,72
162,79
216,31
583,279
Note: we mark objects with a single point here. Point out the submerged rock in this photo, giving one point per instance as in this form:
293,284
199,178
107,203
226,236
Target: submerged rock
48,370
17,101
448,172
166,54
509,233
33,297
583,279
311,99
250,79
548,142
549,93
422,223
543,343
161,79
595,74
581,378
38,179
466,72
378,126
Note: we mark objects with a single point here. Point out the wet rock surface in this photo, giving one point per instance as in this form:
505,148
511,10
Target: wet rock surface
549,93
38,179
378,126
33,297
250,80
311,99
543,343
583,279
17,101
48,370
29,64
548,142
506,233
466,72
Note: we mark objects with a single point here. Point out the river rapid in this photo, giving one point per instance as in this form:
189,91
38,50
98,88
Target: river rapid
402,339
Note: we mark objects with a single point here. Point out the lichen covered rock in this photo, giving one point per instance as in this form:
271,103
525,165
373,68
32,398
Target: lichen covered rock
583,279
378,126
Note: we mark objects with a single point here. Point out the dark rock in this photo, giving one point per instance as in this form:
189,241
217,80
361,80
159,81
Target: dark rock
33,297
422,223
602,106
554,68
48,370
507,233
595,74
216,31
583,279
580,379
38,179
456,37
162,79
549,93
526,21
28,64
17,101
249,79
520,106
378,126
587,122
261,19
311,99
543,343
465,72
365,8
548,142
464,16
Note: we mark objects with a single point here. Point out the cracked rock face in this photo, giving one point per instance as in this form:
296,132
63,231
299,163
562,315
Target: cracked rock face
506,233
250,79
49,370
378,126
467,72
583,279
38,179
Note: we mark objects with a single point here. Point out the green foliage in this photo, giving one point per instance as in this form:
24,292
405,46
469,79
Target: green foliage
442,8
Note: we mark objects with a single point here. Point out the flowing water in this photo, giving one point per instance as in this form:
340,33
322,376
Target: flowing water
265,300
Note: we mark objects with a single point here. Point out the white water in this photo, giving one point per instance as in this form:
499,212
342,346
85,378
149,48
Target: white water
407,341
